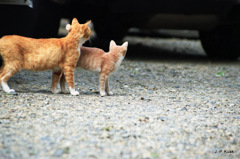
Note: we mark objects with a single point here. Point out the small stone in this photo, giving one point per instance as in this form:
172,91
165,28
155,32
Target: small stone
184,109
161,118
237,117
58,153
151,86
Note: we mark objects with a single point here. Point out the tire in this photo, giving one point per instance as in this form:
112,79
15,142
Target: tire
222,43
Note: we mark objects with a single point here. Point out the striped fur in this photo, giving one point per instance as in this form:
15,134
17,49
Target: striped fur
94,59
22,53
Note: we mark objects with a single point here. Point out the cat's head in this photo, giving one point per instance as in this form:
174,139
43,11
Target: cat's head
119,49
83,29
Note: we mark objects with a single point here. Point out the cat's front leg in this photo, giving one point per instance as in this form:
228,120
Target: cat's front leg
55,78
62,84
69,75
110,93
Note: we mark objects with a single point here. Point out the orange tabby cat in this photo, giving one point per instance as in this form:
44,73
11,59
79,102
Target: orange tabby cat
22,53
97,60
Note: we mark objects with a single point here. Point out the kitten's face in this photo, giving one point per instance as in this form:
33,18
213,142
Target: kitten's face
120,49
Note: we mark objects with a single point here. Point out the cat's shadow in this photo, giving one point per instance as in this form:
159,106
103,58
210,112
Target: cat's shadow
48,92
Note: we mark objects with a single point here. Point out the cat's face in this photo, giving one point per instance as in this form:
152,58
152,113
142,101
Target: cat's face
119,49
83,29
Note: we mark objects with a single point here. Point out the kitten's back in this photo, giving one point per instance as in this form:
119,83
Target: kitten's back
91,59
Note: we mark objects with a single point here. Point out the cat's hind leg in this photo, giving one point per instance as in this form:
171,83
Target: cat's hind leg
110,93
6,72
103,78
55,78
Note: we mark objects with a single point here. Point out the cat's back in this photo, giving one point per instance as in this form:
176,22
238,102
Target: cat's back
13,39
16,41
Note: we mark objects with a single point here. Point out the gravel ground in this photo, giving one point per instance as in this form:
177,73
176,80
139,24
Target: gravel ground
174,105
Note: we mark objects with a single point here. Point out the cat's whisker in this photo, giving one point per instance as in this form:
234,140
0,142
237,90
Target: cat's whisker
90,41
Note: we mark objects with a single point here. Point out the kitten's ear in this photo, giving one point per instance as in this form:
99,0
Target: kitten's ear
112,44
74,21
125,45
85,26
68,27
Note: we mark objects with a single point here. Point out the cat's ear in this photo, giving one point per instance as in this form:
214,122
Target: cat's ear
74,21
112,44
85,26
68,27
125,45
87,23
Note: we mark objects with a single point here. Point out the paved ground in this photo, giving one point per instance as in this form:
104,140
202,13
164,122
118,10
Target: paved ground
170,101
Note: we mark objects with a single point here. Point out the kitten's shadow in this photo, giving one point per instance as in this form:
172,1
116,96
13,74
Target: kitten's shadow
97,93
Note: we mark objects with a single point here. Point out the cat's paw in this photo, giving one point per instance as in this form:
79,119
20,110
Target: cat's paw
103,93
73,92
12,91
65,91
55,91
110,93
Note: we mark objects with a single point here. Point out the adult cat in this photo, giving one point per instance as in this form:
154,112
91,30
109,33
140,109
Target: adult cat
95,59
57,54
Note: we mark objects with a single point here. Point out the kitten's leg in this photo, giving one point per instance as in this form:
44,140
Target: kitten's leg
55,78
103,78
110,93
62,84
69,75
6,72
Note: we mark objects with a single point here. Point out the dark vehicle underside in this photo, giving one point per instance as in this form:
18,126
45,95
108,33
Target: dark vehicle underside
218,21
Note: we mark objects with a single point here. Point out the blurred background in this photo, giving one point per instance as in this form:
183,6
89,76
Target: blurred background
212,25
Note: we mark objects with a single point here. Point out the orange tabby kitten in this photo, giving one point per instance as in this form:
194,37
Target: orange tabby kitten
22,53
94,59
97,60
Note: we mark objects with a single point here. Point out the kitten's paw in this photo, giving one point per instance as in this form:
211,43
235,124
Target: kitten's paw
110,93
73,92
103,93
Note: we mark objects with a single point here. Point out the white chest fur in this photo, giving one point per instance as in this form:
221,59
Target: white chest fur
118,63
81,42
